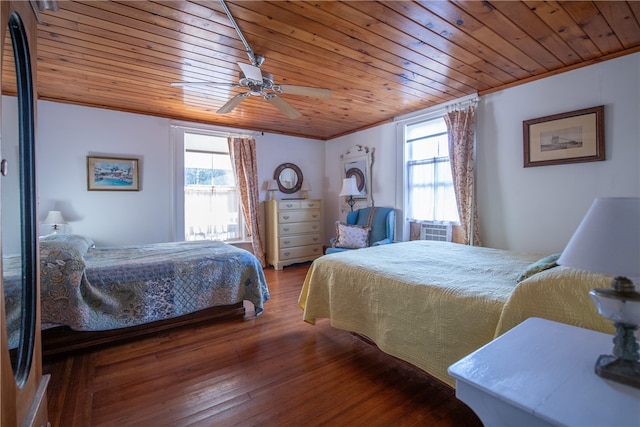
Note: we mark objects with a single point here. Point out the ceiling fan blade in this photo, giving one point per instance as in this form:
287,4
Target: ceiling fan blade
232,103
282,105
316,92
180,84
251,72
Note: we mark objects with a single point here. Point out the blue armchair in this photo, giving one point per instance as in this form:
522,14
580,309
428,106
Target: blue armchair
382,226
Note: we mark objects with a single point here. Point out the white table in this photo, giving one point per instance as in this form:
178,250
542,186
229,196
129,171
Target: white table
541,373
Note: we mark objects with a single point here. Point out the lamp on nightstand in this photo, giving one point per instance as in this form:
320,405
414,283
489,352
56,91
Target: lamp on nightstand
607,241
305,188
55,220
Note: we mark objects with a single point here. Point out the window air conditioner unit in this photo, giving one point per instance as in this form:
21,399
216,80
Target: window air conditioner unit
439,231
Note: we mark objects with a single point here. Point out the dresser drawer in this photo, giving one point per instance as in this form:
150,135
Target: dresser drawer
288,204
300,252
310,204
298,204
301,240
299,216
298,227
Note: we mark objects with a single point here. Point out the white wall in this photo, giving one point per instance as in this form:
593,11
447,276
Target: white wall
529,209
67,134
11,209
539,208
381,140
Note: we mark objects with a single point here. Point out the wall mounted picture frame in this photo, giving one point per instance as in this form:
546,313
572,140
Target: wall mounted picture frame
572,137
112,174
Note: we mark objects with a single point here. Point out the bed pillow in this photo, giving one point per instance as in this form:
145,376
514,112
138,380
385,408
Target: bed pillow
351,236
542,264
82,243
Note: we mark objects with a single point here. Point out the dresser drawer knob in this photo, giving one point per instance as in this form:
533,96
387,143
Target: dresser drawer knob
286,229
315,239
286,217
315,227
286,242
289,205
287,253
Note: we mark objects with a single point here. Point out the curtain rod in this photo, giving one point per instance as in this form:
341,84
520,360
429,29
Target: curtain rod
217,129
430,111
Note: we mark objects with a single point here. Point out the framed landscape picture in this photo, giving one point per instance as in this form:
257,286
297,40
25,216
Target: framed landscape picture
573,137
112,174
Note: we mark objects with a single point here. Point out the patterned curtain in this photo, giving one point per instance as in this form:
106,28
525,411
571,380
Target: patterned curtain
460,126
243,156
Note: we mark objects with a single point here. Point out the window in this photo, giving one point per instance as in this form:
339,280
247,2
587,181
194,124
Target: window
211,199
430,193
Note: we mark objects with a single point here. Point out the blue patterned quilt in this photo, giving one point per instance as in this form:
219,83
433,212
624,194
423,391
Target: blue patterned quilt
92,289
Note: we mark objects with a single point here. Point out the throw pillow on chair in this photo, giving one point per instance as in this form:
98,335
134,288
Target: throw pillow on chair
351,236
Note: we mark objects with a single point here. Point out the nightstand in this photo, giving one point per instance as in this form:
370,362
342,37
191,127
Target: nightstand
541,373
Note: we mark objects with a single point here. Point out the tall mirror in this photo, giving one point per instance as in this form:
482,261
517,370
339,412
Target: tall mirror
18,208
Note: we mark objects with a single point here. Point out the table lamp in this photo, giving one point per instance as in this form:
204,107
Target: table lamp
272,187
350,189
305,188
55,220
607,241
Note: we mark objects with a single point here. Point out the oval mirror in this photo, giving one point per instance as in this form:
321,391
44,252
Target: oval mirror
19,232
289,178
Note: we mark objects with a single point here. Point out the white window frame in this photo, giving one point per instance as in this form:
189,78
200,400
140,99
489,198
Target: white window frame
437,163
401,176
178,131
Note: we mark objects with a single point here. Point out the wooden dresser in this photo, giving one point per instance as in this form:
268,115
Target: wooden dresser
294,231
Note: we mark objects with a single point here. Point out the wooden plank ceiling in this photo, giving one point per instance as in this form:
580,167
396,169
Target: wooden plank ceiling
380,59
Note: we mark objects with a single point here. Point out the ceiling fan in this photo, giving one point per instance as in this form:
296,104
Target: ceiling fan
259,82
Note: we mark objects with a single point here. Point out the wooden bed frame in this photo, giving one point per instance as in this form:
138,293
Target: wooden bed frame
61,340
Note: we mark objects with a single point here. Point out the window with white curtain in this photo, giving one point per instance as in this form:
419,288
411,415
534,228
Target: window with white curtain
211,198
429,192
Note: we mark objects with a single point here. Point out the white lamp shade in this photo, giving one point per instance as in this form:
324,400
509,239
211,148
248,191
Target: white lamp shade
607,240
272,185
349,187
54,218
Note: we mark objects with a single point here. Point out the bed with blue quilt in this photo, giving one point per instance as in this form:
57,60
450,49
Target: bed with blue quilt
87,288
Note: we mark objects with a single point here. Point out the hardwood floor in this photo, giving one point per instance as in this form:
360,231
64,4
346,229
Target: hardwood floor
272,370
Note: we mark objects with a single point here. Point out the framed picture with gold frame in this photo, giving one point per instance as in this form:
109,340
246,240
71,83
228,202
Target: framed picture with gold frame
112,174
573,137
